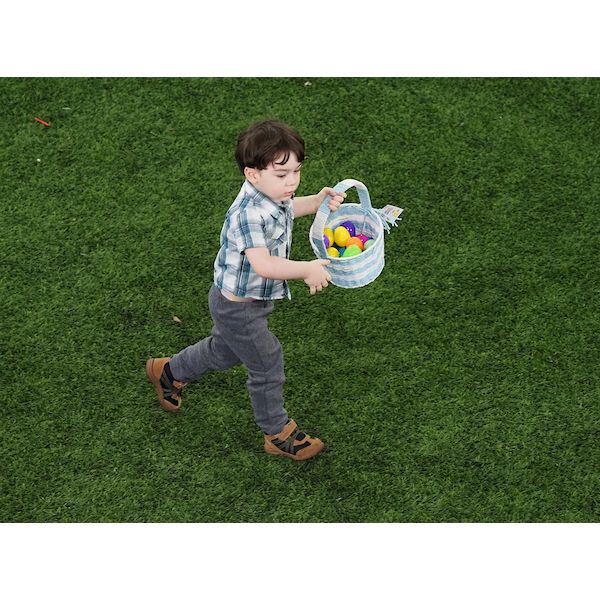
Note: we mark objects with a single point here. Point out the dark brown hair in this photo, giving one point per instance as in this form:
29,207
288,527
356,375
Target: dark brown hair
265,142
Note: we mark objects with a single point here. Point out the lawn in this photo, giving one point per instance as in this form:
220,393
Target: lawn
462,385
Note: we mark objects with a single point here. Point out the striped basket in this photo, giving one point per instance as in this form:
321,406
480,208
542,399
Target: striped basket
362,269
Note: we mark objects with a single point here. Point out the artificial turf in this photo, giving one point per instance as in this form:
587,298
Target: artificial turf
460,386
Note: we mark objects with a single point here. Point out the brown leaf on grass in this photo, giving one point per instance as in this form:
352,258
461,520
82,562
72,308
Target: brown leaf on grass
177,319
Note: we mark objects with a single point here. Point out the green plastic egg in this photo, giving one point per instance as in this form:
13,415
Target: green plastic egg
352,251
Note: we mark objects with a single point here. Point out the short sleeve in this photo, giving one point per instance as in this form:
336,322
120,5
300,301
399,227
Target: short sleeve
249,230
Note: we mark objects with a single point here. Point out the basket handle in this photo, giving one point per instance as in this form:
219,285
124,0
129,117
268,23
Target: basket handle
324,212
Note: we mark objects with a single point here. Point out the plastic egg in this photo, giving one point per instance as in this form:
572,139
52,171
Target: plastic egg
355,241
333,252
349,225
363,238
326,241
341,251
352,251
368,244
327,231
341,236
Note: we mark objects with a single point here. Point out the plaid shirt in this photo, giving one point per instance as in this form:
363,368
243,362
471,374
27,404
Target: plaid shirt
253,221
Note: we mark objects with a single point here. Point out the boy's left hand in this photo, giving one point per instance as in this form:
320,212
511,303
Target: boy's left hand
334,202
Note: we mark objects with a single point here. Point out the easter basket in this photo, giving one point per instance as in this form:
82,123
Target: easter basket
362,269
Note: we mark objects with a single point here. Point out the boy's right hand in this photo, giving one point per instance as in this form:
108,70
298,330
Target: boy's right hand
318,276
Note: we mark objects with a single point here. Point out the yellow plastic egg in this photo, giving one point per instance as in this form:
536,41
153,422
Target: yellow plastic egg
327,231
341,235
333,251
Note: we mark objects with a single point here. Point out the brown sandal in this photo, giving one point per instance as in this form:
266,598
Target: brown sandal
293,443
168,391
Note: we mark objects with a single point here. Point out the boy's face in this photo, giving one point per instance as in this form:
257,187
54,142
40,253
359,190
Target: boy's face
277,182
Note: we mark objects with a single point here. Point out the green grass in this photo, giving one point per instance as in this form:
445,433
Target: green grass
461,386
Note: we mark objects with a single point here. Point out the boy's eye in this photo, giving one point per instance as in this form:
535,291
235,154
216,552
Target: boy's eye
284,174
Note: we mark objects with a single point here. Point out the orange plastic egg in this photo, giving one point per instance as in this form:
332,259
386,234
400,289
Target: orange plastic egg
355,241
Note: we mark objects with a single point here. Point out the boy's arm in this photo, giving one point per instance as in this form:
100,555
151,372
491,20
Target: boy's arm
312,272
309,205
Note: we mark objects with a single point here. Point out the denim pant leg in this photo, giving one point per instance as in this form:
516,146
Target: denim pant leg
241,335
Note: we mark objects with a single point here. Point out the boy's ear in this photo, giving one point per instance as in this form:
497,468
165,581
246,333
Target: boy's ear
250,174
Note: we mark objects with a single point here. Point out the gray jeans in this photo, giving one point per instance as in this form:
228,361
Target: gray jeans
240,336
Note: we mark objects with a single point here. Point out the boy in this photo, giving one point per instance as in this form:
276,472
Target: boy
251,271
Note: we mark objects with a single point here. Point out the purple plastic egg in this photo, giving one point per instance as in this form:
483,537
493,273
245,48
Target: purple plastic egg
349,225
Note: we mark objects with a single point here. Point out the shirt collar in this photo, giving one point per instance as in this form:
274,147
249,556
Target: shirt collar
259,198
